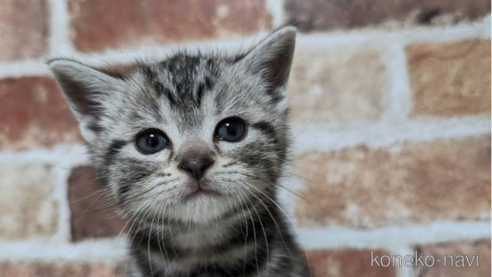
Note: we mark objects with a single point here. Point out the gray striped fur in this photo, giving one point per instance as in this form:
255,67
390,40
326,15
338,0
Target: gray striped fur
241,232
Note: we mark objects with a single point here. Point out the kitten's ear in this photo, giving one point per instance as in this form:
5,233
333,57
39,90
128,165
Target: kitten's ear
272,58
85,89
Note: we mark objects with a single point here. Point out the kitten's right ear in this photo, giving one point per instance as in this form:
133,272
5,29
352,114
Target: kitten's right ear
272,59
85,89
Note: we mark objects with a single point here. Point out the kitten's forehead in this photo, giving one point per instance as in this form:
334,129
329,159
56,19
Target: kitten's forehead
179,84
187,90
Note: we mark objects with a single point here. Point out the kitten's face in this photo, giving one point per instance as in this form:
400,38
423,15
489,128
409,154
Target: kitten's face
189,138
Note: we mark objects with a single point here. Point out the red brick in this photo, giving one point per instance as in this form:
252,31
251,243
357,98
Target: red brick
322,88
34,113
24,29
455,249
317,15
92,215
56,269
131,23
417,182
450,79
347,263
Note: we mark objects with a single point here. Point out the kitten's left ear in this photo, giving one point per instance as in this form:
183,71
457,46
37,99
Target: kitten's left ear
272,58
86,91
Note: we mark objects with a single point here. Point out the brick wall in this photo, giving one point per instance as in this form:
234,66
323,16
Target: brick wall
390,111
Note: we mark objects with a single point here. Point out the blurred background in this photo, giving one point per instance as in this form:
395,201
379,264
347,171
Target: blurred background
390,107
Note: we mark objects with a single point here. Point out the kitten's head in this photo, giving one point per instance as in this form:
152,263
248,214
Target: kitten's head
190,137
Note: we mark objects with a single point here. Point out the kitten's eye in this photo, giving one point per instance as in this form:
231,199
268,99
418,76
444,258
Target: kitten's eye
152,141
231,129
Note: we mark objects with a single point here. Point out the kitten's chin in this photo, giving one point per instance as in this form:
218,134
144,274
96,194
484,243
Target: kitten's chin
202,207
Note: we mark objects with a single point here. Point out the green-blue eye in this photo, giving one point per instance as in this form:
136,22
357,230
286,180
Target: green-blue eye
231,129
151,141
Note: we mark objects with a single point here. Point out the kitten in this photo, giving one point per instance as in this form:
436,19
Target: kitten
191,148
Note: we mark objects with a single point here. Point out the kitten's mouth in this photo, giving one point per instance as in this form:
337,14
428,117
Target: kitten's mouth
200,190
199,193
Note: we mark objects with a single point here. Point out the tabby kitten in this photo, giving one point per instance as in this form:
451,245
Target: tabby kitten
191,148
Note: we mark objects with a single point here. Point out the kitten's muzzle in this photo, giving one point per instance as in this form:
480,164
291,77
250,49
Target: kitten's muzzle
196,166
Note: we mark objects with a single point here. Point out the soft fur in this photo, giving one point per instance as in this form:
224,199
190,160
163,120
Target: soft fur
241,232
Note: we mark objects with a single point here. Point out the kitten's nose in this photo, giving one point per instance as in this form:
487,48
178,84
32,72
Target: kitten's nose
196,165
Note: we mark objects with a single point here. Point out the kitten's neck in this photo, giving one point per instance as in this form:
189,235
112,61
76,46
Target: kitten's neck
240,245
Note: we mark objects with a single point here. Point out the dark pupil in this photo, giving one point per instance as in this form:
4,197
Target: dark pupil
152,140
232,129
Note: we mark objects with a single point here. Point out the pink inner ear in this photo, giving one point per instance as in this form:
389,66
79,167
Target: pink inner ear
118,70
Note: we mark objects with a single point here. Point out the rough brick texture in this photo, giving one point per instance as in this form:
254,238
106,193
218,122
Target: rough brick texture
317,15
467,268
34,114
410,182
347,263
56,269
450,79
27,207
347,73
92,215
24,29
322,88
131,23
